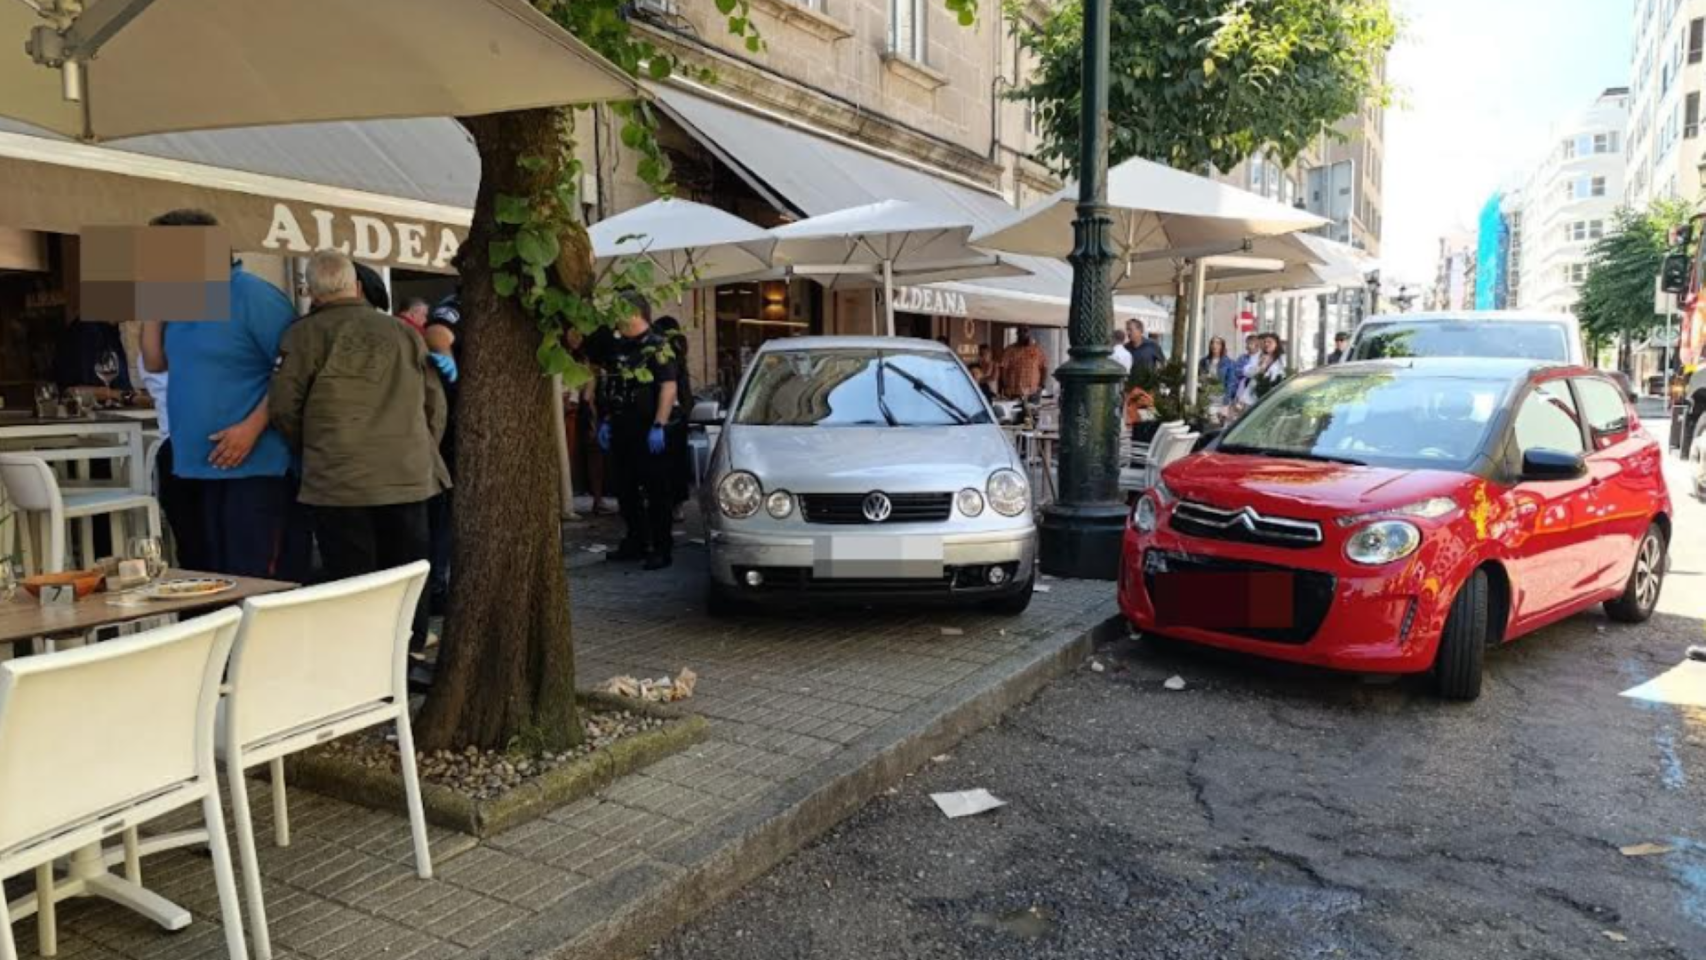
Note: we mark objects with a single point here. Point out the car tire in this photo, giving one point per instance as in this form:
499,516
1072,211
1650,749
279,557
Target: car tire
1458,664
721,603
1014,603
1646,580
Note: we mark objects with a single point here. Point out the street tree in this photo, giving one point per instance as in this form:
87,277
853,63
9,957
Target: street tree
1616,301
506,669
1196,84
1200,83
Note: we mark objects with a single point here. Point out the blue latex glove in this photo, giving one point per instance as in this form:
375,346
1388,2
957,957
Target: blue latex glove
446,366
654,440
603,436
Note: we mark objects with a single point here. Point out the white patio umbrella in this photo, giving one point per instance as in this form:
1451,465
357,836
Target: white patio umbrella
1292,262
1156,210
174,65
685,241
890,240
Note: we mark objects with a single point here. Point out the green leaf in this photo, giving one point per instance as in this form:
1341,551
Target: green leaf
754,43
658,68
500,252
726,7
532,163
634,136
536,247
504,283
513,210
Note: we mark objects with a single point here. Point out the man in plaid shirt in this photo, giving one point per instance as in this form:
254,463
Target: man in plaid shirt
1024,368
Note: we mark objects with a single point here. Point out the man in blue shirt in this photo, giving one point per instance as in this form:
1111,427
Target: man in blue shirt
243,471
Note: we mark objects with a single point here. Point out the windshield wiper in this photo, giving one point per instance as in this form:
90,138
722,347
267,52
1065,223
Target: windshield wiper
948,406
882,402
1288,454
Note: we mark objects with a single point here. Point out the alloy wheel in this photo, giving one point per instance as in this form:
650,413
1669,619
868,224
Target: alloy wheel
1648,570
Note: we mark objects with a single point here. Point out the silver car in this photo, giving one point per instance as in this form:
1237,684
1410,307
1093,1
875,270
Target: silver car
868,467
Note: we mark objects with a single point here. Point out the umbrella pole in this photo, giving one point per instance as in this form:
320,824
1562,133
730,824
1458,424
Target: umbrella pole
1193,331
888,294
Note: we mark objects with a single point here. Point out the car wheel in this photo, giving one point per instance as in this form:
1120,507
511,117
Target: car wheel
1463,644
1014,603
721,603
1641,593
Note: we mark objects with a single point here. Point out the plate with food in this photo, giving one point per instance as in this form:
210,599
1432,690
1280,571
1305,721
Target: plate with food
188,588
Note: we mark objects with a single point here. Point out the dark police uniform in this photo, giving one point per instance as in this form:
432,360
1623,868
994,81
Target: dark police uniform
645,483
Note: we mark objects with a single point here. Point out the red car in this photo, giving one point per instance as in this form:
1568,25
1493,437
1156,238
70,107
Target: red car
1400,516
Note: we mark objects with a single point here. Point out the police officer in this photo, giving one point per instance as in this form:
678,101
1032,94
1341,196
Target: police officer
639,409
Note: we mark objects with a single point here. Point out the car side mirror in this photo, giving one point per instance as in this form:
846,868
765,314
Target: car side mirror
706,413
1542,464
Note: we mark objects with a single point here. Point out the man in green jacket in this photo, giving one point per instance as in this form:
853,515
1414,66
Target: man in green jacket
354,396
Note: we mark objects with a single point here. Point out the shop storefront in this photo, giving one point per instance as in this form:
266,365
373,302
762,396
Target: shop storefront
749,314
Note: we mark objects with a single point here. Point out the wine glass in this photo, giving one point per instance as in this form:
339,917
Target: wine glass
107,367
147,549
47,400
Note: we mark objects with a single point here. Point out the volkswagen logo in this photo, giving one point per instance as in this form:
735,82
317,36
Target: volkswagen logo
877,507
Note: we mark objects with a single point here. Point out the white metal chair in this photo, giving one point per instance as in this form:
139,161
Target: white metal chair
34,489
93,742
311,665
1169,446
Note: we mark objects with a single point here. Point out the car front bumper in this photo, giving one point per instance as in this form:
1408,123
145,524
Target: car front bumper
792,564
1365,620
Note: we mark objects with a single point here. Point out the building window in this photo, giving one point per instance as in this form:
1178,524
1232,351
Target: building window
1598,187
1691,117
1696,39
906,29
1596,229
1605,142
1575,273
1570,149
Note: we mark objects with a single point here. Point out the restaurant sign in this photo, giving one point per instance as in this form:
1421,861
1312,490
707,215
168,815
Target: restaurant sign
420,245
928,300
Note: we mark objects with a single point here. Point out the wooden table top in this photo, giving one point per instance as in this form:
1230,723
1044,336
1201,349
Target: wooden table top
124,416
24,618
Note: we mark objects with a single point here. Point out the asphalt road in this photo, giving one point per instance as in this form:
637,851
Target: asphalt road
1268,812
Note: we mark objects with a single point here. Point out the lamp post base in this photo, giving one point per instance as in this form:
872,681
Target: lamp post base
1082,541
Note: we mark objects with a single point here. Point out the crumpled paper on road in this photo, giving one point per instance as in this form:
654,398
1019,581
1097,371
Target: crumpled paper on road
660,690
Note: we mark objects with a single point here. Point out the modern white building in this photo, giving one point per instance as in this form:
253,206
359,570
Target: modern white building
1665,82
1568,202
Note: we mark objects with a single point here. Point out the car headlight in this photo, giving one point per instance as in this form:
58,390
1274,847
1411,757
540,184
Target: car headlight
779,504
1430,509
1147,514
739,495
1383,542
1008,493
970,502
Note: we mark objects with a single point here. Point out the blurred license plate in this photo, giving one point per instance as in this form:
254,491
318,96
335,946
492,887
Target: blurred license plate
1223,600
878,557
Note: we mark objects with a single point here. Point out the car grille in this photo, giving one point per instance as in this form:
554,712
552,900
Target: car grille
1244,525
1311,592
849,508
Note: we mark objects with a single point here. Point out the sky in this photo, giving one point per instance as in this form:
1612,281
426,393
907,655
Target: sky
1481,84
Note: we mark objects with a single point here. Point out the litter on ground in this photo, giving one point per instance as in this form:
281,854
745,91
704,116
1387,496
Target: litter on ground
966,803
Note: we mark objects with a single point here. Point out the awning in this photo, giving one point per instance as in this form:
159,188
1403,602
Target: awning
813,173
397,193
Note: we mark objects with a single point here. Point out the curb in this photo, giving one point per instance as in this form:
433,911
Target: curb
628,912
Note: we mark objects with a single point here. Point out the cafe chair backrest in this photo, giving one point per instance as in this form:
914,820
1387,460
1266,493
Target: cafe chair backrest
30,483
322,652
108,726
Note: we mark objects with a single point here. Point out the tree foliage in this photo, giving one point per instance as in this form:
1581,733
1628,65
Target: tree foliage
1616,299
1199,82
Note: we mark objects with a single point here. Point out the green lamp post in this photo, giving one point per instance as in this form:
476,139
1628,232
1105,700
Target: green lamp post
1081,530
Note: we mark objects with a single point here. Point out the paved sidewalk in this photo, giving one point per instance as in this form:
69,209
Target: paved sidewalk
811,714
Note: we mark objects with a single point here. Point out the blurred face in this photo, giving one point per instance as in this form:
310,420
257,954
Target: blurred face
1270,345
633,326
1340,341
1251,344
1024,336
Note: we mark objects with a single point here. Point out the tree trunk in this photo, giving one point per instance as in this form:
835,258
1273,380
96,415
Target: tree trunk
506,670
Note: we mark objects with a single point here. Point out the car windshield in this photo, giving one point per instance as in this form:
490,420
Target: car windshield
1532,340
1375,418
859,387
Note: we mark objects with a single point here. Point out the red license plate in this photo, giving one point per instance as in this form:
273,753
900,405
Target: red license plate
1223,600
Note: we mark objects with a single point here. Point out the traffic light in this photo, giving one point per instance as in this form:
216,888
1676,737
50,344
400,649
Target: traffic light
1673,278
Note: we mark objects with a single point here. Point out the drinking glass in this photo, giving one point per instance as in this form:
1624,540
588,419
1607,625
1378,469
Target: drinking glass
47,400
107,367
8,581
147,549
